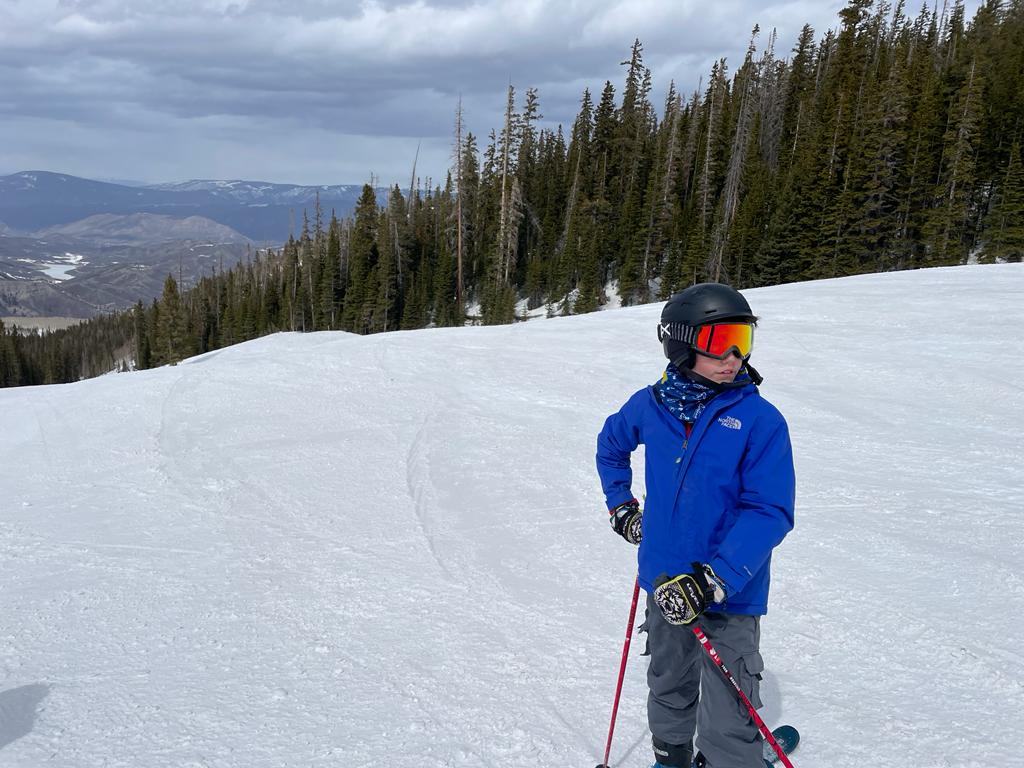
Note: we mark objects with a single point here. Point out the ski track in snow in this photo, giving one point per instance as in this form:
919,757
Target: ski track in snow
417,478
323,549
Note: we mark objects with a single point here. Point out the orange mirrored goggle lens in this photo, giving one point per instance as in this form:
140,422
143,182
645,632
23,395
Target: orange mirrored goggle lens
720,340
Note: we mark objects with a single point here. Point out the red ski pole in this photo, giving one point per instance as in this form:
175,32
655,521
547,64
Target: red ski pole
765,731
622,673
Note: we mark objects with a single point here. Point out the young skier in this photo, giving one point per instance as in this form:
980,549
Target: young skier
720,495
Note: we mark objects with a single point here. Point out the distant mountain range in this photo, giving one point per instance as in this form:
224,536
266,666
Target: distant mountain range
64,276
76,247
142,228
265,213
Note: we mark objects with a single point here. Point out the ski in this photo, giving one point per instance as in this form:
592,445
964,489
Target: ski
787,736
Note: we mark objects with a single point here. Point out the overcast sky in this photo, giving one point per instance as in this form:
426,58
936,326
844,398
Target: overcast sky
330,91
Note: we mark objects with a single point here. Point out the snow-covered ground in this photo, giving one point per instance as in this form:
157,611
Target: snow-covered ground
332,550
61,269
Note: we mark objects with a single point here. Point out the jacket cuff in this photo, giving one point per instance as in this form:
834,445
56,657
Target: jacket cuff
734,581
618,499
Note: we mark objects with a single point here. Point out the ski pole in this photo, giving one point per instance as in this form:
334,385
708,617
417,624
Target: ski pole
622,672
765,731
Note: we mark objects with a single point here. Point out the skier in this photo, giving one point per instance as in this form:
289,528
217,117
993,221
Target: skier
720,496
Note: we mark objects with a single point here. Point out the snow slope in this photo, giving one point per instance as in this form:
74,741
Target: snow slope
332,550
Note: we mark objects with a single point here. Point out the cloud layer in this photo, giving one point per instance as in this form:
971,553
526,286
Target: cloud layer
317,91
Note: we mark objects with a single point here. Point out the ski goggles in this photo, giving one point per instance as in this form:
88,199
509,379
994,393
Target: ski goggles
718,340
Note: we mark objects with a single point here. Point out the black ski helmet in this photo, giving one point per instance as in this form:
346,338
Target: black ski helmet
698,305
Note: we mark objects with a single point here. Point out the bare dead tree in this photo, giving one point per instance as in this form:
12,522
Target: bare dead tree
692,134
504,223
737,158
458,206
714,87
660,213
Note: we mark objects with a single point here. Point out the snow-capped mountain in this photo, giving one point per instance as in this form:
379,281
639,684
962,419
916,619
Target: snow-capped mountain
265,193
265,213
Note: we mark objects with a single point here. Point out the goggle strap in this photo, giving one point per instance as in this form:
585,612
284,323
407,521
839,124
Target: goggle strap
678,332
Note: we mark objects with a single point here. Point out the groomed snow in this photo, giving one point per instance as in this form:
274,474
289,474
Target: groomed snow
332,550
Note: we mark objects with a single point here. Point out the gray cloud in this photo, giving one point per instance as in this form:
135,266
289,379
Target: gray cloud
315,91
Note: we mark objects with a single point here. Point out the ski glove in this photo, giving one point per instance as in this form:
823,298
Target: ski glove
626,520
683,598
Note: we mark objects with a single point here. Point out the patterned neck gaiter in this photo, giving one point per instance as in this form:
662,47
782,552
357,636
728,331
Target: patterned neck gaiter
684,397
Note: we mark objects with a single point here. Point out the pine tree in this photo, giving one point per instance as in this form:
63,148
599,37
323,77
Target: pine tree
884,143
498,304
470,200
946,234
660,202
363,254
568,250
10,365
1005,241
171,332
384,307
529,156
330,292
632,164
605,127
142,338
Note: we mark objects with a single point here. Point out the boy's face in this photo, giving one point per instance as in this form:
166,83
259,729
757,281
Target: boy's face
718,371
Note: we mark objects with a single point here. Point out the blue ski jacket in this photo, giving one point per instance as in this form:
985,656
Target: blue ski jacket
722,496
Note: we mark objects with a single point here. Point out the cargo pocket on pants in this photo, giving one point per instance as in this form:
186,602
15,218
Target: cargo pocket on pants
752,665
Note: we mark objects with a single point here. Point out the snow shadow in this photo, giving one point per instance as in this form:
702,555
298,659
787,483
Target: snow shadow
771,695
18,711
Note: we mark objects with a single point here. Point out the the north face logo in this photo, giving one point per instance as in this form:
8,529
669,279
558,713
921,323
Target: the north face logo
730,422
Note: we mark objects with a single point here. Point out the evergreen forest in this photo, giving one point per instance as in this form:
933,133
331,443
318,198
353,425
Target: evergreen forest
891,142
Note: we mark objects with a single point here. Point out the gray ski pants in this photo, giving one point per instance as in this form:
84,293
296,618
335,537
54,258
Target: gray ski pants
688,693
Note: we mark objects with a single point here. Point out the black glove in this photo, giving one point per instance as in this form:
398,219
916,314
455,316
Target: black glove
683,598
626,520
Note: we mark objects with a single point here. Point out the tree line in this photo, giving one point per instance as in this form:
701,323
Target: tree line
892,142
100,345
